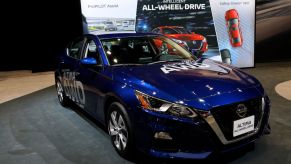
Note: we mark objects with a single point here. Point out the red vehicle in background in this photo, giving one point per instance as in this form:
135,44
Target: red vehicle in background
233,27
195,43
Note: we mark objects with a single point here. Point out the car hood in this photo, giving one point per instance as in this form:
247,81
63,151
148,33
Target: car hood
186,37
185,80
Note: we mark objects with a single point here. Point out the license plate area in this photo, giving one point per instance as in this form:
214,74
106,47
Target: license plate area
243,126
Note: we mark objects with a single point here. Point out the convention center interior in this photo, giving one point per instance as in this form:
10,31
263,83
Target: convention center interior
146,81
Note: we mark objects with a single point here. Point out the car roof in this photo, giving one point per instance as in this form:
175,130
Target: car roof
124,35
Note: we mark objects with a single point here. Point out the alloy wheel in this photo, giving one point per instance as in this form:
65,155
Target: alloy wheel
118,130
60,92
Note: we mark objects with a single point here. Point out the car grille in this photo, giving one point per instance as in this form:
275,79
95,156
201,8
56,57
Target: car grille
194,44
225,115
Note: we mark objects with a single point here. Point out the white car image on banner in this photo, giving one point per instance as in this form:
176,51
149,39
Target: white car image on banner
241,56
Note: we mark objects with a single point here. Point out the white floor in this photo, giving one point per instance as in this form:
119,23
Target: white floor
284,89
14,84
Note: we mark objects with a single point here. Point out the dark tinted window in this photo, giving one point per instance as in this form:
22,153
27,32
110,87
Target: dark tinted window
236,40
169,31
91,51
232,22
143,50
156,30
182,30
76,48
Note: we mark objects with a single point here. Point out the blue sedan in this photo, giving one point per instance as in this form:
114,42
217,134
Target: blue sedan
156,97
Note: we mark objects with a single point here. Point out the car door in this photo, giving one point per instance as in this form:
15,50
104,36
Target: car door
69,66
93,79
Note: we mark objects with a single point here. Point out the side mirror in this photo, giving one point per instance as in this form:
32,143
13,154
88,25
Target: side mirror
89,61
225,56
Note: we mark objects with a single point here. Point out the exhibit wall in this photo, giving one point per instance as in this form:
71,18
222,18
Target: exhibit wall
221,30
188,22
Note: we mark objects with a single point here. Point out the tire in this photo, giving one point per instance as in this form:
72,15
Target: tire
63,99
225,56
119,129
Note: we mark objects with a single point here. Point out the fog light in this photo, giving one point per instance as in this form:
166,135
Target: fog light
163,135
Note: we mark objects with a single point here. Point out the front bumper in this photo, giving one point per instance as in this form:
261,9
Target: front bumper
189,139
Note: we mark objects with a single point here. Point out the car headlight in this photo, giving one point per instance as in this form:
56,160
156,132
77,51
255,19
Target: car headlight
161,106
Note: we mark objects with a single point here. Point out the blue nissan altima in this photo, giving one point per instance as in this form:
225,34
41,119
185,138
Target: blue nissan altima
156,97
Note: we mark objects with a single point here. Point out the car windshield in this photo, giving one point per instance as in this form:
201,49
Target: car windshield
232,22
143,50
109,23
236,40
182,30
170,31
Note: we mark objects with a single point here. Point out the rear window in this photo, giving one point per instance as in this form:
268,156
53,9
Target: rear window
236,40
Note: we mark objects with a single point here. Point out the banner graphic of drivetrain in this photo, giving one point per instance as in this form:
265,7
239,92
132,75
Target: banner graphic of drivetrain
234,22
222,30
187,22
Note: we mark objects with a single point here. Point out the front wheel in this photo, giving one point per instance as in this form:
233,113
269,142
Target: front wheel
119,129
63,99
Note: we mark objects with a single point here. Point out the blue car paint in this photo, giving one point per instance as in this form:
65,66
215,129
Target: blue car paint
202,89
89,61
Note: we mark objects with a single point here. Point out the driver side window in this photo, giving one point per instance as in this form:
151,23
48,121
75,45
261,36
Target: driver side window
91,51
75,48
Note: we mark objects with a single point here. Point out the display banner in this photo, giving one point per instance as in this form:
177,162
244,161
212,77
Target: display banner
222,30
108,16
188,22
235,29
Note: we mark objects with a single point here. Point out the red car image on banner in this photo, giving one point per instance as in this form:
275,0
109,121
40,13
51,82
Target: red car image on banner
234,31
195,43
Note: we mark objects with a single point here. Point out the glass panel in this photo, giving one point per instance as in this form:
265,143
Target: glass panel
74,50
236,40
182,30
143,50
169,31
